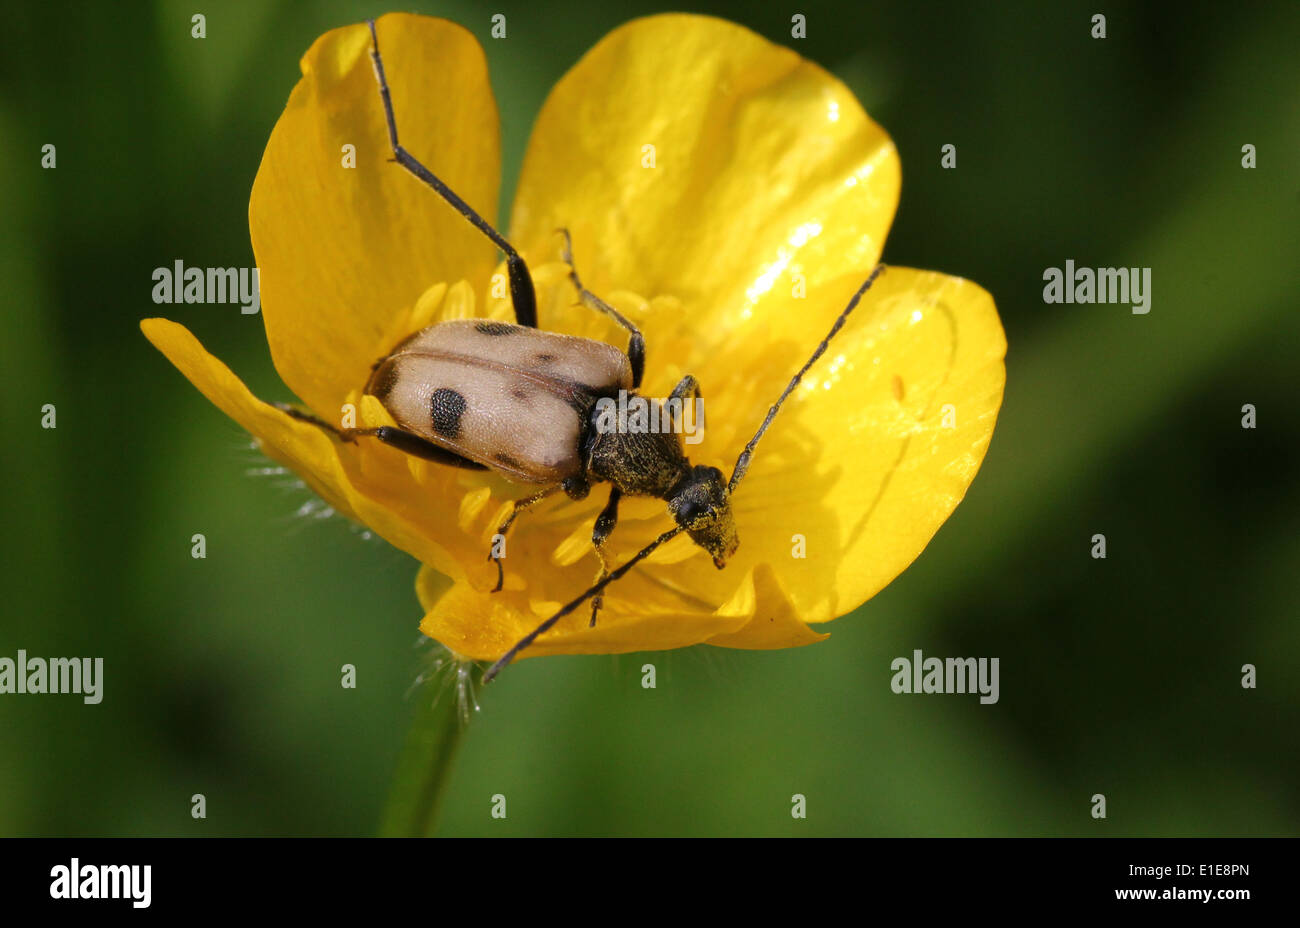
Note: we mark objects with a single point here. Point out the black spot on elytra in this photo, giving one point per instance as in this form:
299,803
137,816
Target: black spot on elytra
544,358
507,460
520,394
494,328
447,406
383,381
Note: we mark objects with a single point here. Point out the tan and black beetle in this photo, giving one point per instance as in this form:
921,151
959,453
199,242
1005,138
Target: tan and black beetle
490,395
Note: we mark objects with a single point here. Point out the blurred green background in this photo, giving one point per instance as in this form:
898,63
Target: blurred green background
1119,676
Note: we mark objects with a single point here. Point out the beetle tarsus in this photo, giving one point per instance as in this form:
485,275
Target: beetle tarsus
294,412
600,533
519,506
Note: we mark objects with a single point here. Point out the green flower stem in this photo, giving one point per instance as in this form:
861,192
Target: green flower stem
424,768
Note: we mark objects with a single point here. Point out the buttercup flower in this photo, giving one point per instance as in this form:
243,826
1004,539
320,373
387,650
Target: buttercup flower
725,195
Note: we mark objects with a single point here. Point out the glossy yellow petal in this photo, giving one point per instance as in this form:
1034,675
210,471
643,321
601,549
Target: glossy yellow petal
343,250
692,158
877,446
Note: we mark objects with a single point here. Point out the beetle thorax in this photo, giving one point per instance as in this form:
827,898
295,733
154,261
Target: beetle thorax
640,463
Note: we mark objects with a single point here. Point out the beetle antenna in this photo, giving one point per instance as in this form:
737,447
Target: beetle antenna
742,462
613,575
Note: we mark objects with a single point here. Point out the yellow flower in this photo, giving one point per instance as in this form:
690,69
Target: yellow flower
727,196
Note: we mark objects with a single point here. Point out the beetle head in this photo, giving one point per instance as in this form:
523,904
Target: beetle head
700,505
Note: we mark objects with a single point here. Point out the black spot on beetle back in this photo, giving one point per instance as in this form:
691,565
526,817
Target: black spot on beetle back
495,328
446,406
383,380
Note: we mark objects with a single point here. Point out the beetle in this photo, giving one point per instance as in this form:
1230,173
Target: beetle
526,404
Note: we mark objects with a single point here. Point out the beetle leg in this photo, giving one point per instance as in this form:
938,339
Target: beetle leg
635,341
521,282
605,523
295,413
519,506
688,388
406,442
414,445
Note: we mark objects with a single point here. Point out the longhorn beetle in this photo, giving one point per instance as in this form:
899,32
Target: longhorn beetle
490,395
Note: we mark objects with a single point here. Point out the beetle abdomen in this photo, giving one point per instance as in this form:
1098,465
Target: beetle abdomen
508,396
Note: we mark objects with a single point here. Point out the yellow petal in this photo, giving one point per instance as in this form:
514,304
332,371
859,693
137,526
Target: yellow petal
342,251
764,166
771,619
483,626
877,446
